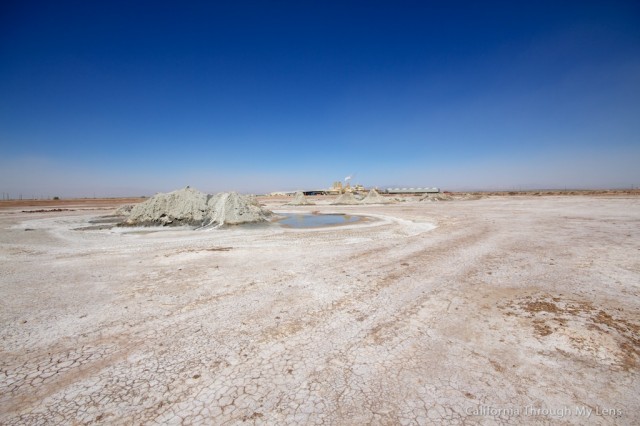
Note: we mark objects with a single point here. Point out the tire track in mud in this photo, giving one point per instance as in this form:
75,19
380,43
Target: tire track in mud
411,297
308,335
443,252
300,338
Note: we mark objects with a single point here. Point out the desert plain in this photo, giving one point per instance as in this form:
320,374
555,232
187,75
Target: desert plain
501,310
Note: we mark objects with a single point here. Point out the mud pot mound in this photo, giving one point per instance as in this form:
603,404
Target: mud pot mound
300,200
373,197
189,206
231,208
346,198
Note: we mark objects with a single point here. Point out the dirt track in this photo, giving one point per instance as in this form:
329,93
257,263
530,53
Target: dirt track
509,305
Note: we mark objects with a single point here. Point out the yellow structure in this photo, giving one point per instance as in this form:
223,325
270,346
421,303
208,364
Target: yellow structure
340,188
336,188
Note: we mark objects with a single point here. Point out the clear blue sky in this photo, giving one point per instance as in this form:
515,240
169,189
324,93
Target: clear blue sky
133,97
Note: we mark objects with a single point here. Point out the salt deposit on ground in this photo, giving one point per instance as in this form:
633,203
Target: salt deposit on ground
510,303
189,206
300,200
346,198
373,197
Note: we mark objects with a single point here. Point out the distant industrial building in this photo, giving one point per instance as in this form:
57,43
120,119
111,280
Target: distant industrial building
338,188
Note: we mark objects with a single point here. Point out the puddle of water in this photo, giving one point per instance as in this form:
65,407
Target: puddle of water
301,220
287,220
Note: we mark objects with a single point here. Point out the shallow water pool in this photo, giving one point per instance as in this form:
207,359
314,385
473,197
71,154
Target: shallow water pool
305,220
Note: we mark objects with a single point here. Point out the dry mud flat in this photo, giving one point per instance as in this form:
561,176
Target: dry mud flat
512,310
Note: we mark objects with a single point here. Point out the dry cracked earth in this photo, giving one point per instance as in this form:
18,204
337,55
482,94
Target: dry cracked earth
503,310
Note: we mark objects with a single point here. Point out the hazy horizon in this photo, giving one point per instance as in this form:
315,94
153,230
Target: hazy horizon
45,180
121,99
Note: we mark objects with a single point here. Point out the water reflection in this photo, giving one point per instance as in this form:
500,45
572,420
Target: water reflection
302,220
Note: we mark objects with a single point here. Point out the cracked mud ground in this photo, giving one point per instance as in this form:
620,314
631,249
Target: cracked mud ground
508,303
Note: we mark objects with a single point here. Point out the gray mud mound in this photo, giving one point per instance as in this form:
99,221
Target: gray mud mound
123,210
300,200
186,206
346,198
231,208
253,200
189,206
373,197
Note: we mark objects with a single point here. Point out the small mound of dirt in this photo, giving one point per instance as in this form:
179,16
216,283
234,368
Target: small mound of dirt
373,197
231,208
186,206
300,200
346,198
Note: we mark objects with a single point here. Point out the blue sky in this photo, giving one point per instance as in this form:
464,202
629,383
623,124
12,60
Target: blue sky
130,98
